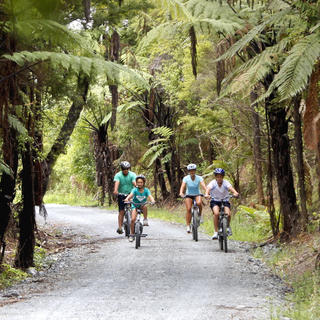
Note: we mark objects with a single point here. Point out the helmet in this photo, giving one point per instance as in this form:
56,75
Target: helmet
141,176
219,171
125,165
191,166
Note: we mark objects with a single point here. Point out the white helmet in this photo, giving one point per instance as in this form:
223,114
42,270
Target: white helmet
191,166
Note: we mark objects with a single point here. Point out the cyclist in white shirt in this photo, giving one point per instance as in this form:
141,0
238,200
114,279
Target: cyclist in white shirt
219,189
192,183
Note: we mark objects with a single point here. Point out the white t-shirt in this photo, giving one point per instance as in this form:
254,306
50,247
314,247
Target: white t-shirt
219,193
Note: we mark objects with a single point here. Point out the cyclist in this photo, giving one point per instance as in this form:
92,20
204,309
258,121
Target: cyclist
219,189
124,181
192,183
139,194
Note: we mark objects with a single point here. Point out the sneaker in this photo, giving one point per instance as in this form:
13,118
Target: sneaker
145,223
120,231
229,231
131,238
188,229
215,236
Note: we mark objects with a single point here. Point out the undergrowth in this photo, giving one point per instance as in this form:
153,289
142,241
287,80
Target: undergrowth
10,275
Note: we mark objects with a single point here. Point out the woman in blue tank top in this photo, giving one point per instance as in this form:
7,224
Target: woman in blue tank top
191,185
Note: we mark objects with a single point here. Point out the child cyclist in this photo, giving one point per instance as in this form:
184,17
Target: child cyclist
192,183
139,195
218,189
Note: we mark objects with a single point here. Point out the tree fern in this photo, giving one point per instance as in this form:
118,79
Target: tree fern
4,168
159,146
114,72
16,124
297,67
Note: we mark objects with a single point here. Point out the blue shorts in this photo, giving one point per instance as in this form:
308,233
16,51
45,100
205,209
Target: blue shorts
219,203
121,203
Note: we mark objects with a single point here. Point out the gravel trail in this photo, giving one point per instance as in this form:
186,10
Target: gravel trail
168,277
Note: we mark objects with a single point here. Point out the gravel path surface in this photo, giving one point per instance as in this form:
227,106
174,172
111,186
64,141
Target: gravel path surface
168,277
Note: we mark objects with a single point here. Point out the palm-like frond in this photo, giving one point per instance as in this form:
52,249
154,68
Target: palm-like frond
176,8
114,72
254,33
4,168
297,67
256,69
16,124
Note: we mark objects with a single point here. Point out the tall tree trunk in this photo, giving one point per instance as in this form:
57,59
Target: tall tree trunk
114,56
64,134
104,163
282,163
257,154
311,119
24,255
8,98
300,161
273,220
193,50
161,179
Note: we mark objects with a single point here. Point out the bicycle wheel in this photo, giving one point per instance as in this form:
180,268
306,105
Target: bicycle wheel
127,223
195,224
137,234
224,231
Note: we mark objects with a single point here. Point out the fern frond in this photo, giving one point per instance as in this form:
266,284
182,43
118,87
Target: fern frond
254,33
16,124
4,168
114,72
256,69
176,8
163,131
297,67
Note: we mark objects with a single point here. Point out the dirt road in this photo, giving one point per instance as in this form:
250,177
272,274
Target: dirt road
168,277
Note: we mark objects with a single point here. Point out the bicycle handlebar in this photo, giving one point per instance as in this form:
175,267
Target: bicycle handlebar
193,195
139,204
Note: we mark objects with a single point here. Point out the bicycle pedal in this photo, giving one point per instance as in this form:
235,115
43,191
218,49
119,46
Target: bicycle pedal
143,235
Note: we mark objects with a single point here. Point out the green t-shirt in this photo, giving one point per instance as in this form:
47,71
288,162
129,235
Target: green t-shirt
126,182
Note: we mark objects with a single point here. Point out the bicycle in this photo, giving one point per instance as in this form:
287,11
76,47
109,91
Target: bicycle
127,216
138,226
223,225
195,220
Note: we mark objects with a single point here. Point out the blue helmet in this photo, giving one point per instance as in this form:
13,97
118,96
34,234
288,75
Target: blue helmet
219,171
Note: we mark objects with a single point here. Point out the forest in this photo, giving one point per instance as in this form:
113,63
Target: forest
86,84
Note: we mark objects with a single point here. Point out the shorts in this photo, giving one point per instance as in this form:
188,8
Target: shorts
137,206
190,196
121,203
219,203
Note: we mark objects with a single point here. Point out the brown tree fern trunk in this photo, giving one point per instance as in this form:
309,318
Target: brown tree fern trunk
257,154
24,255
300,162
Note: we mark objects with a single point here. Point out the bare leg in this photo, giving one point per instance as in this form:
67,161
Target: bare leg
216,212
188,202
120,218
133,220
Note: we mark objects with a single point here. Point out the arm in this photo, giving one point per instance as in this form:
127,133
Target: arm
235,193
129,197
182,189
207,195
202,184
151,199
116,187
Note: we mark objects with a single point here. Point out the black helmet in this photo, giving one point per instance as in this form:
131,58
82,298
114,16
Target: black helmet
125,165
141,176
